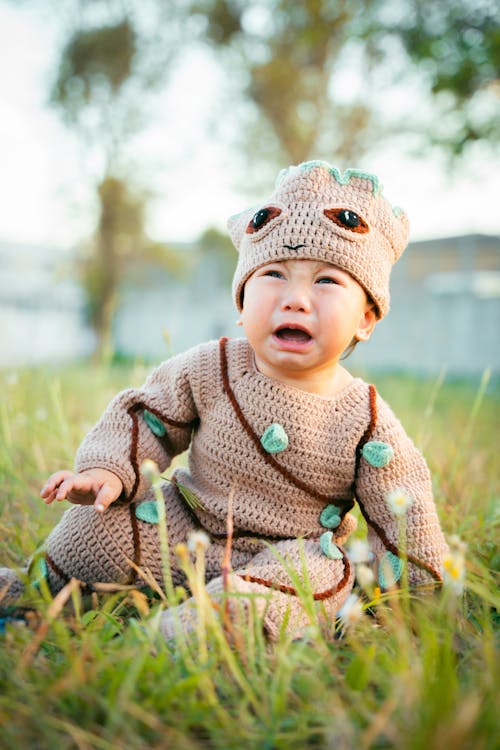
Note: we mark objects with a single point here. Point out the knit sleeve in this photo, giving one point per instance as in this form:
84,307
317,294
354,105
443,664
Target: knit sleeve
155,421
394,493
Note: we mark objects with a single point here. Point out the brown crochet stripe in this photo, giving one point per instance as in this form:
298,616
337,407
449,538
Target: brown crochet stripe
376,528
136,537
268,457
139,405
55,567
392,547
133,452
134,441
251,535
372,395
317,596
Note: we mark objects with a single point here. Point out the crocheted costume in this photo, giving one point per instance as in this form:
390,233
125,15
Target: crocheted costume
292,462
213,398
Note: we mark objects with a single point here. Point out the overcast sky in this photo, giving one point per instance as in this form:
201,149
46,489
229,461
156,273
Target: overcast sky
45,197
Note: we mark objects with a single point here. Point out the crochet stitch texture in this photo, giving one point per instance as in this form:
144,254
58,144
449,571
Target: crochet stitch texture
303,222
187,393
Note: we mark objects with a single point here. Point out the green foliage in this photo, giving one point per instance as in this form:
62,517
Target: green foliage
112,59
95,64
120,243
108,67
457,45
282,56
290,59
417,674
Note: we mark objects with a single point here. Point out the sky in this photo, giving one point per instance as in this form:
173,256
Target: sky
45,196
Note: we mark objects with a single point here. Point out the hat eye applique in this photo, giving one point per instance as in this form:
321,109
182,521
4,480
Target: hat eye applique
347,219
261,218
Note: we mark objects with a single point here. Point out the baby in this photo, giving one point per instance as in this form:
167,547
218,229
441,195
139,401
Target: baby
273,421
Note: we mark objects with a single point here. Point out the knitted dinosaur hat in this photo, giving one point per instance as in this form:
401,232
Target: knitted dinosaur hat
317,212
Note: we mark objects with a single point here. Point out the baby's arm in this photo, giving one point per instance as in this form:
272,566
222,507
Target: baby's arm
405,476
97,487
155,422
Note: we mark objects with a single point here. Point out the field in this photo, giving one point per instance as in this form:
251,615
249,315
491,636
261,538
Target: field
411,673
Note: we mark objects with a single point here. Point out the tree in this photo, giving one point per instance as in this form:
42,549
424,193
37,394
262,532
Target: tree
118,244
107,71
457,43
291,58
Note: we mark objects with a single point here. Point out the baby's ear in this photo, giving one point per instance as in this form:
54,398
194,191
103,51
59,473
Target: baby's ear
237,225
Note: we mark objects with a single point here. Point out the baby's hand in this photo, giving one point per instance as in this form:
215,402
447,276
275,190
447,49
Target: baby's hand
95,486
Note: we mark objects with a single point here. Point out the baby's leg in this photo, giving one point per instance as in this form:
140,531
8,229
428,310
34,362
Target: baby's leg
11,587
120,546
273,592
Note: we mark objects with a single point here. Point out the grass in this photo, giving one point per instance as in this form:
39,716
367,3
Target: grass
421,673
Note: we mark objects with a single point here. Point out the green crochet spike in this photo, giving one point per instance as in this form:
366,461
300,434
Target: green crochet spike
329,517
274,439
328,546
155,425
390,570
147,512
377,454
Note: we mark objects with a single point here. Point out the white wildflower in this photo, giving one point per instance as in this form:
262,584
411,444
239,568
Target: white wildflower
457,544
149,469
198,540
454,566
359,551
365,576
399,501
350,611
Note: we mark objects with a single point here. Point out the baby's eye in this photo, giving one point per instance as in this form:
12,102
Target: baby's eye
326,280
274,274
348,219
261,218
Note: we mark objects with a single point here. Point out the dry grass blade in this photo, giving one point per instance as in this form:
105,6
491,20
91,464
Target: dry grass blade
55,608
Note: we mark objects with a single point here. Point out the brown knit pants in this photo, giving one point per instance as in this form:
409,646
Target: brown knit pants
97,548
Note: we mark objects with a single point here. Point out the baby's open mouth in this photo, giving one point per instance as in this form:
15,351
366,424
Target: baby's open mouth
293,334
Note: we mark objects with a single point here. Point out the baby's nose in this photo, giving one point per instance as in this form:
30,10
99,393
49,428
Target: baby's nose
296,298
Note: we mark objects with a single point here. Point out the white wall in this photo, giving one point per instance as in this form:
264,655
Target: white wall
430,326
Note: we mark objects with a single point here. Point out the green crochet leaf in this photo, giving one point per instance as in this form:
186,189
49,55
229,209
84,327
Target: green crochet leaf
329,517
155,425
328,547
390,570
147,512
377,454
274,439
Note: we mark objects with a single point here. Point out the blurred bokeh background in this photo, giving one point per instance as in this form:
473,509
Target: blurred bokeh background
130,131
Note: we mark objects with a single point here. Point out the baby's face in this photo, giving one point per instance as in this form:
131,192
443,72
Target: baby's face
300,315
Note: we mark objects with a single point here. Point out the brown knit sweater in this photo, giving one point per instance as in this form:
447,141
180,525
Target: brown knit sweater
213,400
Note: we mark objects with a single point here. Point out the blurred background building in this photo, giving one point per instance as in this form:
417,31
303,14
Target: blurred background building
445,309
